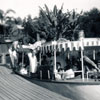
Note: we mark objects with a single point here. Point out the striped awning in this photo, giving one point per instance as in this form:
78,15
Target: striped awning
86,44
71,45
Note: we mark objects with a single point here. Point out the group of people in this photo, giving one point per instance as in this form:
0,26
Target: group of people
62,73
73,65
31,66
24,61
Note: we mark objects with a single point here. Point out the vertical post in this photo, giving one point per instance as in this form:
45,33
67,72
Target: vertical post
82,64
48,74
22,59
40,58
55,70
93,54
81,38
41,74
54,43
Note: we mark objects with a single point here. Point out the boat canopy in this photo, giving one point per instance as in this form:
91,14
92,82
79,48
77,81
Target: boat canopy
84,44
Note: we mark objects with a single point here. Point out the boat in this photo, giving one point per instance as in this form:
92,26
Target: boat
28,60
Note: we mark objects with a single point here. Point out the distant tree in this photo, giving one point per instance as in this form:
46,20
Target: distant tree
28,25
6,20
4,15
15,26
29,35
91,23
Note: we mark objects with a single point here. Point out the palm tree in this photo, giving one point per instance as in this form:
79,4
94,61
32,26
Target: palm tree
4,18
51,24
54,24
4,15
12,27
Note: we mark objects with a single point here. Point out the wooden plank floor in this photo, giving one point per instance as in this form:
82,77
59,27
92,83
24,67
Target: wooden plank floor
14,87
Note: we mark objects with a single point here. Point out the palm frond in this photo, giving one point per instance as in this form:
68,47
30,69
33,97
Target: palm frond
55,10
10,10
44,16
47,9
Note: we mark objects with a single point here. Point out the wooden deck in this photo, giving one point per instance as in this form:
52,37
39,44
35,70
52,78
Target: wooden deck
14,87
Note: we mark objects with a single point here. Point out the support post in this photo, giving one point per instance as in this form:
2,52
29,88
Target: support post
93,54
82,64
54,43
41,74
40,58
55,70
22,59
81,38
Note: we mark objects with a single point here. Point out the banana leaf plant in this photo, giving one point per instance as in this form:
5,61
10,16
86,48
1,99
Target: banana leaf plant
50,25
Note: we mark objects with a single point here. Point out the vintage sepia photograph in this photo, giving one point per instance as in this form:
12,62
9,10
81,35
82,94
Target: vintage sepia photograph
49,50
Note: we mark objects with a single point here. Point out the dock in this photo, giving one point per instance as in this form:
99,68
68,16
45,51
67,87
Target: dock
15,87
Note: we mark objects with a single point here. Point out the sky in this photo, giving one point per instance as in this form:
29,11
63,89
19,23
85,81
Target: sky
26,7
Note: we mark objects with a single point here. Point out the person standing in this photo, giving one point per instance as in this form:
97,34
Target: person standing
32,62
13,54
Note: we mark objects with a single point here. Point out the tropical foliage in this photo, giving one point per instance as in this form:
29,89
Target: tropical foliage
4,16
28,32
90,23
52,24
9,23
6,20
73,26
